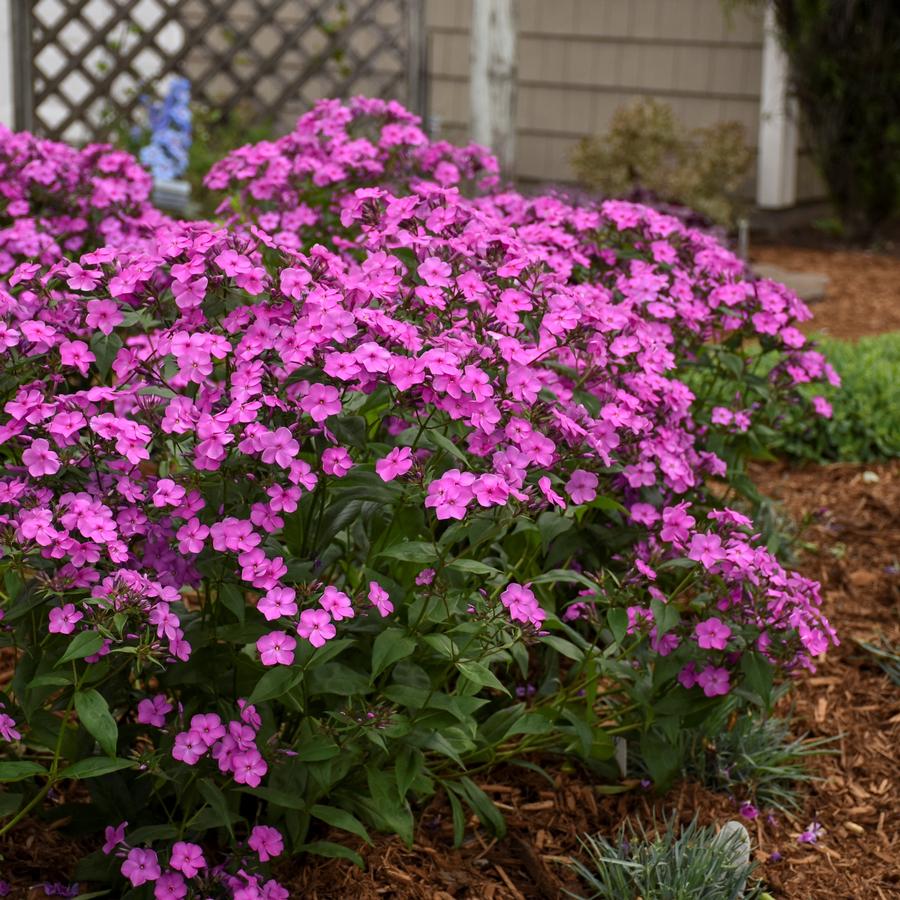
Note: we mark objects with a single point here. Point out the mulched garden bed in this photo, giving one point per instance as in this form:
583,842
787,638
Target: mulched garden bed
849,518
849,521
863,293
852,534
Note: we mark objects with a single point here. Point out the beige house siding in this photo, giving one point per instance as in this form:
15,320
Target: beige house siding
579,60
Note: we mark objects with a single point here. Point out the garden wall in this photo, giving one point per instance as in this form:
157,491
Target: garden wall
579,60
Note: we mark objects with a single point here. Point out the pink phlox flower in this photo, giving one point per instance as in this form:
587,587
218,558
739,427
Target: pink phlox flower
582,486
249,767
336,461
397,462
40,459
712,634
276,648
380,599
714,680
64,618
153,711
189,747
315,626
114,836
277,602
170,886
266,841
545,488
187,858
141,866
209,726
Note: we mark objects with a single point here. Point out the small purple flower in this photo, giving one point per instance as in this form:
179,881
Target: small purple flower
812,834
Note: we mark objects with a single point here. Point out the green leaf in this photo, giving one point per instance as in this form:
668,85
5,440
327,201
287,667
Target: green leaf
617,620
440,744
216,800
86,643
481,675
94,715
530,723
391,645
444,443
661,758
10,803
333,851
442,644
410,763
472,567
275,683
459,818
665,615
340,818
412,551
232,598
95,766
288,800
484,808
566,648
759,674
388,810
19,770
49,680
105,347
317,749
350,430
551,525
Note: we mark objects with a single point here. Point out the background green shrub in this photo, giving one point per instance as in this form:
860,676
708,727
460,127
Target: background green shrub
647,148
845,72
865,424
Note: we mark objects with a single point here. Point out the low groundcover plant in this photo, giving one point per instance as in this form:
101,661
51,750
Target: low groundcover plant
309,514
672,864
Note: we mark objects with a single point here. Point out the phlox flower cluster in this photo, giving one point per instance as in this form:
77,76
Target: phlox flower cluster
200,420
338,151
233,745
57,202
183,869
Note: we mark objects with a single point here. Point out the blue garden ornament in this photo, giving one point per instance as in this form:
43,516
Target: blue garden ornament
166,155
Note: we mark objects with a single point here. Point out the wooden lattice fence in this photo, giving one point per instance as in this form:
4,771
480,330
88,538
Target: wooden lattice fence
82,64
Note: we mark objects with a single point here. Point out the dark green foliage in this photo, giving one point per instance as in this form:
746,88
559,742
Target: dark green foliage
845,62
865,425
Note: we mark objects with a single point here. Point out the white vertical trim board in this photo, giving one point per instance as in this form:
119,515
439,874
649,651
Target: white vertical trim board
7,99
776,177
493,78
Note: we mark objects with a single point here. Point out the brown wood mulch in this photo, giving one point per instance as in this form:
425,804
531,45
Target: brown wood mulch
850,528
863,293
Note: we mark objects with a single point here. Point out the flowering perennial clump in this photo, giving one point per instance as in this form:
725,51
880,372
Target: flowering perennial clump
291,501
57,202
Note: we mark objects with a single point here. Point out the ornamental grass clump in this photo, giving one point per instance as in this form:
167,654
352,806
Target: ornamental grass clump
293,505
673,864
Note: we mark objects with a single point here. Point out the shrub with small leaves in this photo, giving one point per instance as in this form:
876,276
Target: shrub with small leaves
646,148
